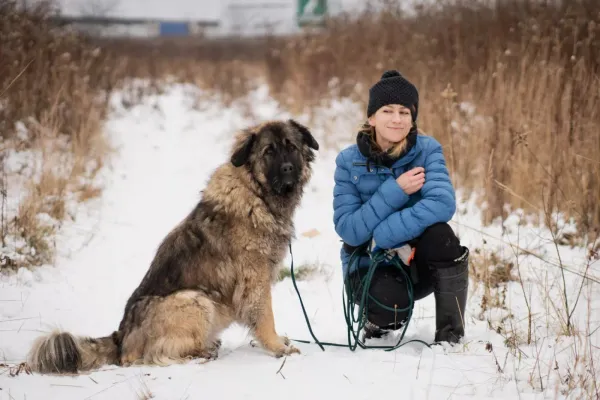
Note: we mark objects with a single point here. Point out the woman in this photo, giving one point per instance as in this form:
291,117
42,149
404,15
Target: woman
393,192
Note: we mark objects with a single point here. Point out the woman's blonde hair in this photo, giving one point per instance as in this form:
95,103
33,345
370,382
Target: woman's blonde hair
395,151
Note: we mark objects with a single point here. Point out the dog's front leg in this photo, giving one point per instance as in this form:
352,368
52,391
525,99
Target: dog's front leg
261,321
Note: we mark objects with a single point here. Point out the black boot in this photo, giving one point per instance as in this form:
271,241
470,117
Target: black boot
451,283
372,331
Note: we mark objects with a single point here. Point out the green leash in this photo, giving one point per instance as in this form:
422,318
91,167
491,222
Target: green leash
349,303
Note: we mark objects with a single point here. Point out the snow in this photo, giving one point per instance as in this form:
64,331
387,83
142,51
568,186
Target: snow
166,149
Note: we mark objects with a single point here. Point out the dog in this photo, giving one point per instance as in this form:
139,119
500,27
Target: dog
216,267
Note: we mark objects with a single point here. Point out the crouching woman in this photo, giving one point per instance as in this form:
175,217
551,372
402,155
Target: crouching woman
393,193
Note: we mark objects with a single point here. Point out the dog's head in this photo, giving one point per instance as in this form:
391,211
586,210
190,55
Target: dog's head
278,154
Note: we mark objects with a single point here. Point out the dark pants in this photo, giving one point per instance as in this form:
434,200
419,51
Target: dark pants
437,247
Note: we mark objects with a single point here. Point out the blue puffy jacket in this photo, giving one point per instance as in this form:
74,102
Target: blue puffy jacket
369,204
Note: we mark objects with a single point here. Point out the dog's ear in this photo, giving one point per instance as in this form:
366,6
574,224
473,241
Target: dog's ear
242,153
306,135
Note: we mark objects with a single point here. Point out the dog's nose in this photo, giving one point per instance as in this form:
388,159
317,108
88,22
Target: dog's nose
287,168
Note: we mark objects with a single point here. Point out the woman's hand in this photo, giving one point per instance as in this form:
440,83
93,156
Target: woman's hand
412,180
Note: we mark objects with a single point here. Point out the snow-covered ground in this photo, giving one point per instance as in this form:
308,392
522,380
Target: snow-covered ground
166,149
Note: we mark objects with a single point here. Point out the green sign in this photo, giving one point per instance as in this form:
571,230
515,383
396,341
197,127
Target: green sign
311,12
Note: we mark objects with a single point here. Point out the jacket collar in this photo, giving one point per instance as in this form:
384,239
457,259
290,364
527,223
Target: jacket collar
378,157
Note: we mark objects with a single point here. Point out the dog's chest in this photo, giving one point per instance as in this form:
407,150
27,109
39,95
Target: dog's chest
270,246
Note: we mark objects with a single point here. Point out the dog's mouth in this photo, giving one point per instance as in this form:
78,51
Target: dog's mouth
285,187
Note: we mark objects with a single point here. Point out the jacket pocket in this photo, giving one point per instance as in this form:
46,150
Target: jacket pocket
367,182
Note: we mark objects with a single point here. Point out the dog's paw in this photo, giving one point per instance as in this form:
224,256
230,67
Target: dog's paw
209,354
286,351
285,340
217,344
278,348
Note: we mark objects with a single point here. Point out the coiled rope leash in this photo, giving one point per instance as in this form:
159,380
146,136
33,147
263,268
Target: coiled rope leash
353,335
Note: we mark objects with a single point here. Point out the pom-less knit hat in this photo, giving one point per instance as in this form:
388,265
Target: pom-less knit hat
393,88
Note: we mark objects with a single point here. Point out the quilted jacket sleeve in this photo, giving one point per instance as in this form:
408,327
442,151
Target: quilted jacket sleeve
354,221
437,204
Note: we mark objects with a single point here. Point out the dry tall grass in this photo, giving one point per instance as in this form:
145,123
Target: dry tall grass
229,67
54,88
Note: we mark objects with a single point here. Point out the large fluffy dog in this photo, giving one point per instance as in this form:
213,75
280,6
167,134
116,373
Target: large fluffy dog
216,267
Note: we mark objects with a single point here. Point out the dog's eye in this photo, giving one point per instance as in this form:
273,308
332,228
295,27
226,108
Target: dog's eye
269,150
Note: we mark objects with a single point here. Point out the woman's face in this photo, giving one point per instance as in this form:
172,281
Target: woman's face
392,124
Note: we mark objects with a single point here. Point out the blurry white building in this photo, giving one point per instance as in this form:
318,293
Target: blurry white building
151,18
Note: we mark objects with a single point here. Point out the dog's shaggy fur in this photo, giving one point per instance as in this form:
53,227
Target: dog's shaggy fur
215,268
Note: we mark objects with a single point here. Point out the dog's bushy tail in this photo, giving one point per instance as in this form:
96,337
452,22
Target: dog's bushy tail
64,353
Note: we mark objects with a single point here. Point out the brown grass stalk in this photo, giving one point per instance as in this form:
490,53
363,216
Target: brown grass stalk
54,83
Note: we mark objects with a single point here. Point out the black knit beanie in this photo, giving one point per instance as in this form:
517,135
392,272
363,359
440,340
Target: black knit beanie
393,88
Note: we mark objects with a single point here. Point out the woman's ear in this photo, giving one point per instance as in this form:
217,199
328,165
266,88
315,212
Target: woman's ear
371,120
242,153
